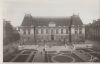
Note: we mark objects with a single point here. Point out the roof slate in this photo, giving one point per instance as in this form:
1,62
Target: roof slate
44,21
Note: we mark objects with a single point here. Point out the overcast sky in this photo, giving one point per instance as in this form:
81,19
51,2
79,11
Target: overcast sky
14,10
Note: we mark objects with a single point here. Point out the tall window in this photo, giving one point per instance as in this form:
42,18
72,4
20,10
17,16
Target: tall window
76,28
47,31
28,31
24,32
59,31
44,31
64,31
76,32
80,32
56,31
41,31
36,31
52,31
80,28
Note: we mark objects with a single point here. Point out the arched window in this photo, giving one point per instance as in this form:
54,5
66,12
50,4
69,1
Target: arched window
56,31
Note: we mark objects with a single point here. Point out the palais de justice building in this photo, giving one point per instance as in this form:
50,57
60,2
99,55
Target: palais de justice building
51,28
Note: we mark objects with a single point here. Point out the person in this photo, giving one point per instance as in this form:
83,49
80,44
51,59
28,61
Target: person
93,59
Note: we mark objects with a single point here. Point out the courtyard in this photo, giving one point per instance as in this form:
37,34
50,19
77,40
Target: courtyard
62,53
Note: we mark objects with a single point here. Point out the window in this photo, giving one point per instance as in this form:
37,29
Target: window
39,31
47,31
80,32
80,28
24,33
76,28
64,31
52,31
28,32
61,31
36,31
52,24
75,32
44,31
56,31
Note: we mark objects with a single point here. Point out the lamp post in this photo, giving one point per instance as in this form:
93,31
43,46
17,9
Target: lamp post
44,50
44,45
64,42
34,34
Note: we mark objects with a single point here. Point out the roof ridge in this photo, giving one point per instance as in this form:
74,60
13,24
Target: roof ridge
41,20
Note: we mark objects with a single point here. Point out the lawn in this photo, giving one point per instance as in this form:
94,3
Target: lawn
10,56
65,53
21,58
62,58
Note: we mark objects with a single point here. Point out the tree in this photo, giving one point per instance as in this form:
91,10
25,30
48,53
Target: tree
9,33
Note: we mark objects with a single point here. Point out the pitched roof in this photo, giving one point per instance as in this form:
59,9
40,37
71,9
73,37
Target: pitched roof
44,21
96,22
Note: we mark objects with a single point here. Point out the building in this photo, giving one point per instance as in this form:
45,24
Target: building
93,30
51,28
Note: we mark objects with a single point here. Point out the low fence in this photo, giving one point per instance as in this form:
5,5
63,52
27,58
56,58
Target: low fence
21,47
83,45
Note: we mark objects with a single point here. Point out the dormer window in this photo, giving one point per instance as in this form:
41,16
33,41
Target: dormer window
52,24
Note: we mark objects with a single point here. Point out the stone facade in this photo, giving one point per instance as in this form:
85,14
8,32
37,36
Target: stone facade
51,30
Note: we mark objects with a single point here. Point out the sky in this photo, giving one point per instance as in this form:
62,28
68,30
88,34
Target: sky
14,10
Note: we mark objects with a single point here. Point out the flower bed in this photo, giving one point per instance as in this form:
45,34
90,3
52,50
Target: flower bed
67,52
27,52
51,52
62,58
